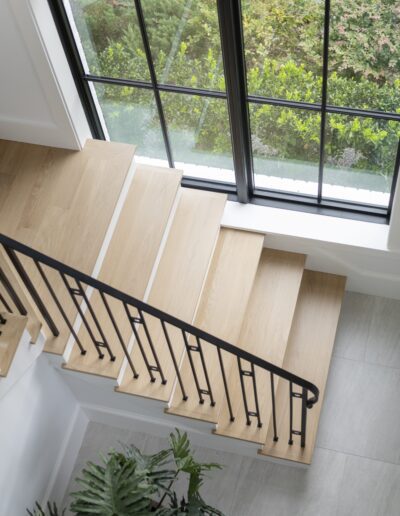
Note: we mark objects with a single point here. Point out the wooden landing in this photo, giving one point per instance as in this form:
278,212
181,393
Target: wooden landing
129,261
308,355
222,307
60,202
177,285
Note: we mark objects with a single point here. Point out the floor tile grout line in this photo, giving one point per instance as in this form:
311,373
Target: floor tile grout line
367,362
358,456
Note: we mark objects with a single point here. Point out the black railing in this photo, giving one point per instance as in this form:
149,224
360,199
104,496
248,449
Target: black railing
33,268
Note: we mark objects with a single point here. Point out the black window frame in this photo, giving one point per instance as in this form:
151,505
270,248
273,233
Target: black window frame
238,100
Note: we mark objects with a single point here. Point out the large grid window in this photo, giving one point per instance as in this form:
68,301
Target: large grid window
294,102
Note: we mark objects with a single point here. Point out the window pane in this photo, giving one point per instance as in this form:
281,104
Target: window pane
200,136
131,116
283,46
364,54
110,38
359,158
286,146
185,42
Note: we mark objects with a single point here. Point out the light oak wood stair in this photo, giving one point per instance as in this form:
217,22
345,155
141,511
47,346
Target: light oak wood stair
7,303
178,284
308,354
10,335
221,311
61,202
169,250
264,333
129,260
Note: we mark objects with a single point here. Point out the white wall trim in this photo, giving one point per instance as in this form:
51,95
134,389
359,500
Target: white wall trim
59,67
296,224
67,456
38,87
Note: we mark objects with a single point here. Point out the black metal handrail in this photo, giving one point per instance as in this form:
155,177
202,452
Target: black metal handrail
12,247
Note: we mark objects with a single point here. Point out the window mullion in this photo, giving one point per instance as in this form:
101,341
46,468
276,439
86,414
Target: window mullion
229,14
324,98
60,17
153,77
395,180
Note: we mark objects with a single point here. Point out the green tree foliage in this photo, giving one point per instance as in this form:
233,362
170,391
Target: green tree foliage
134,484
365,39
50,510
283,42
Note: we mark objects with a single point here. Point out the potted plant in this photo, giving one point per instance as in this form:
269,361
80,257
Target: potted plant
129,483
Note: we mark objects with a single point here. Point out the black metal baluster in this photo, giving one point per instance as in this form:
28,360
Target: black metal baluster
2,322
228,398
291,413
273,407
259,424
203,363
32,291
13,295
132,321
303,417
153,350
246,407
14,249
196,380
303,420
76,292
5,304
104,342
117,331
171,350
60,308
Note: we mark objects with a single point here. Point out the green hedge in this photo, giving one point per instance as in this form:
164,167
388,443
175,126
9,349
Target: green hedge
114,49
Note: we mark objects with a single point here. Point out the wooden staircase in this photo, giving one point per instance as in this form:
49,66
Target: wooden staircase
168,249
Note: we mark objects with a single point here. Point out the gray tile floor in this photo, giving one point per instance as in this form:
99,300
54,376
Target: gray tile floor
356,466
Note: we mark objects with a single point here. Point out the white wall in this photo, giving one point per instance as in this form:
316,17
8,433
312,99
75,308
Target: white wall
356,249
38,99
35,417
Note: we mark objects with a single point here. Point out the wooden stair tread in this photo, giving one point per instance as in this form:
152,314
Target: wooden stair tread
308,355
221,310
33,325
129,260
264,333
60,202
11,333
178,284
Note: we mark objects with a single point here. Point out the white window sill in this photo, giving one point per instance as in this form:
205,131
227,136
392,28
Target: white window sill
309,226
